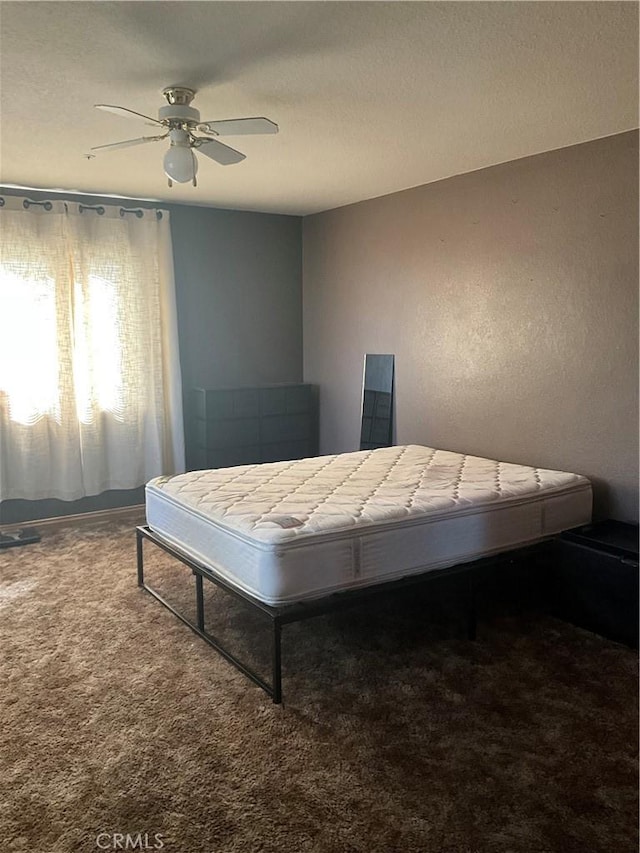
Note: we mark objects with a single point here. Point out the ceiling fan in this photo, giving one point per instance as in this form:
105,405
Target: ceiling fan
180,120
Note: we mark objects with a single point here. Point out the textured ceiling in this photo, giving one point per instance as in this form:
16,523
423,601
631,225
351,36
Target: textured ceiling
370,98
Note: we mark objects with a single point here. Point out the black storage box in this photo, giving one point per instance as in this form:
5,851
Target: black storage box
596,579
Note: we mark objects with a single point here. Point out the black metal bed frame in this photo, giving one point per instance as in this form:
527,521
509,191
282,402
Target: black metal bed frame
288,613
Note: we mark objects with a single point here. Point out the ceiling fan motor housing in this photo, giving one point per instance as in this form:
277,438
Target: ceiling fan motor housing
178,113
178,109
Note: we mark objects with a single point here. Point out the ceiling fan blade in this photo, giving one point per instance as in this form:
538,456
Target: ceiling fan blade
123,111
240,126
222,154
129,142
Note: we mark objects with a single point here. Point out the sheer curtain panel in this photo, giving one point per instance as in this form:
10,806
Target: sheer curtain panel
90,391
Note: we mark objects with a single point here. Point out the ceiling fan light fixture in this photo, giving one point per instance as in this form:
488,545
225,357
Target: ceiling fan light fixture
180,164
180,122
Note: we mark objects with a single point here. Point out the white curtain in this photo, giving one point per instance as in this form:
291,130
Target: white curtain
90,390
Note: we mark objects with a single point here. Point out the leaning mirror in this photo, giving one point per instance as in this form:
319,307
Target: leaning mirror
377,402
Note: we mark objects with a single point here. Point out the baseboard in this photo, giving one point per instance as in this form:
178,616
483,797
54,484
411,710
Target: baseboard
135,514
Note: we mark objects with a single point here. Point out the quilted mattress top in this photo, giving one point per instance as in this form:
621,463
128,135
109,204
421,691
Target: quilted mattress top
280,502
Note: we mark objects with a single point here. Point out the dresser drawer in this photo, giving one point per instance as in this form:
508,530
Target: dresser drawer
241,426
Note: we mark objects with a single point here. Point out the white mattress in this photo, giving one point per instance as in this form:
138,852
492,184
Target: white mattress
291,531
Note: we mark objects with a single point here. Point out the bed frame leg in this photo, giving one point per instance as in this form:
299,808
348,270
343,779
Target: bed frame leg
277,662
199,602
139,539
472,614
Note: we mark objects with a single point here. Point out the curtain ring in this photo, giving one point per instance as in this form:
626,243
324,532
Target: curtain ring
99,209
27,202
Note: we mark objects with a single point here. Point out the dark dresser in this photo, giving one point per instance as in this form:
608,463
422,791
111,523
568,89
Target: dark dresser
596,579
243,426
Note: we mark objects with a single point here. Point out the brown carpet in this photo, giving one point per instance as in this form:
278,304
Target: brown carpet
397,734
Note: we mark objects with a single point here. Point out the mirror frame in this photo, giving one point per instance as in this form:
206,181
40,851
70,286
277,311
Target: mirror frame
377,410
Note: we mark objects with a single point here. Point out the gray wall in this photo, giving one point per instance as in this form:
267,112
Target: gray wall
239,294
239,304
510,299
238,280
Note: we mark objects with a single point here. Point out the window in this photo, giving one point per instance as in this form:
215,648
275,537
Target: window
29,368
89,368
